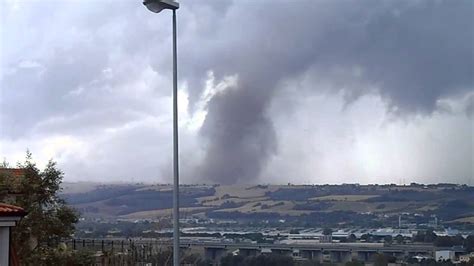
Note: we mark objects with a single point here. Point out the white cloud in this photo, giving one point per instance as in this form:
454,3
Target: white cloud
89,85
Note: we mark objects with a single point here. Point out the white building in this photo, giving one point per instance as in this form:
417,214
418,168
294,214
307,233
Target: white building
441,255
447,232
9,216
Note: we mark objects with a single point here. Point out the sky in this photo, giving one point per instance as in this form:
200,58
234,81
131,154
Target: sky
282,91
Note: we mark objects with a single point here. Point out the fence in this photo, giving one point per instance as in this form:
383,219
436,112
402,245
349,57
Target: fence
125,252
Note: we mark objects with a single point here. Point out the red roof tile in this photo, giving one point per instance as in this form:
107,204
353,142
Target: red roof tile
13,177
14,172
11,210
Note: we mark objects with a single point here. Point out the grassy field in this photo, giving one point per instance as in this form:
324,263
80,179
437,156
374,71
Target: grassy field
243,192
344,198
219,201
469,220
267,206
141,201
79,187
153,214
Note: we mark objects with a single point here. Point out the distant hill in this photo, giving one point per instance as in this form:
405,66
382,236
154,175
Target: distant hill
320,204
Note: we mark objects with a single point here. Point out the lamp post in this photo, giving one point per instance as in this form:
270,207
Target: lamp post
157,6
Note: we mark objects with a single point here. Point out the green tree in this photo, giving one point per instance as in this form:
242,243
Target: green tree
430,236
260,260
327,231
448,241
309,263
351,238
366,237
38,235
294,231
231,260
399,239
388,239
469,243
355,263
268,260
380,260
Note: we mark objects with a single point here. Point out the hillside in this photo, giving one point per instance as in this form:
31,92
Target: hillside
320,204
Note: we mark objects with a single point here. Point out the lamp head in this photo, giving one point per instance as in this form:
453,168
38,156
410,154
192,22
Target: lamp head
156,6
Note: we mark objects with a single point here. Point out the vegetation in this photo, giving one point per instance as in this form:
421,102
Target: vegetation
313,206
230,204
38,235
355,263
300,206
327,231
134,198
165,258
383,260
260,260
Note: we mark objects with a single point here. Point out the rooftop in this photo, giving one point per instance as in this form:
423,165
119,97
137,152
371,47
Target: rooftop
7,210
10,180
14,172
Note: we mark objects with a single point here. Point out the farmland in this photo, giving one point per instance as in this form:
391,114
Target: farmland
339,203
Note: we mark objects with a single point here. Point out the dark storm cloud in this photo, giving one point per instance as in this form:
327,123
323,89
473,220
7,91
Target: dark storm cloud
413,53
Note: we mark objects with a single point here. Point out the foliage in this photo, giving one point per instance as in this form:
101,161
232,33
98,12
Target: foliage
260,260
258,237
130,198
458,208
294,231
469,243
445,241
446,201
48,220
399,239
425,236
58,256
432,262
352,238
101,193
231,204
405,195
165,258
313,206
231,260
388,239
355,263
380,260
327,231
309,263
448,241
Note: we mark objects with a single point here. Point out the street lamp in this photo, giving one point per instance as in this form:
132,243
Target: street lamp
157,6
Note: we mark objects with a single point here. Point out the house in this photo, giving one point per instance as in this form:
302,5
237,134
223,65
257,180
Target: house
10,183
9,217
442,255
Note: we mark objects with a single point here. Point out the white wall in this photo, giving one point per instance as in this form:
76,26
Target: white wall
444,255
4,245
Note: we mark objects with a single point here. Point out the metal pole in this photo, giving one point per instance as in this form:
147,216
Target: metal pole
175,150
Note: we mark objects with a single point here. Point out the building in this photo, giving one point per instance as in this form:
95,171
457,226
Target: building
9,217
442,255
467,257
447,232
10,183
